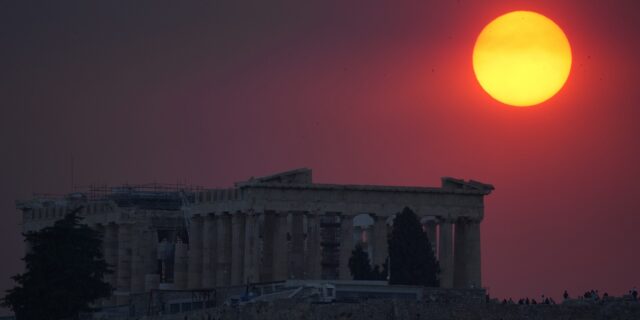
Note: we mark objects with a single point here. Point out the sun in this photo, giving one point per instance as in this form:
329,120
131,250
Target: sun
522,58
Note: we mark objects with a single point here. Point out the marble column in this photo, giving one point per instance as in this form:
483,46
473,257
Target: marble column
313,251
460,255
380,244
111,255
250,245
280,248
223,274
151,282
209,257
150,254
266,246
346,246
430,229
139,260
180,271
296,259
474,271
446,254
100,228
237,248
194,279
123,287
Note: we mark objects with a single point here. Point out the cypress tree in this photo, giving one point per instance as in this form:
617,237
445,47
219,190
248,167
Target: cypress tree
359,264
64,272
412,260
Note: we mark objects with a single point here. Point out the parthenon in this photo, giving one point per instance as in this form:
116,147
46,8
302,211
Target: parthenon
263,229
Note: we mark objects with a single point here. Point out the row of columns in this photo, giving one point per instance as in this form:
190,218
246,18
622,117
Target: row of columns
130,250
456,244
242,253
459,257
233,249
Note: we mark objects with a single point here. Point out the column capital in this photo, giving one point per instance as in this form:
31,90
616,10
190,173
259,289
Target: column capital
111,224
209,215
468,220
196,220
429,219
347,214
237,216
281,213
310,213
441,220
250,213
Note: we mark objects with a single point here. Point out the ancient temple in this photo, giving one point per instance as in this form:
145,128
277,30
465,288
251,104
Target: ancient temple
271,228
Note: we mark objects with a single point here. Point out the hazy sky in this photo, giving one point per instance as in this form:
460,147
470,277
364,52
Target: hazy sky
363,92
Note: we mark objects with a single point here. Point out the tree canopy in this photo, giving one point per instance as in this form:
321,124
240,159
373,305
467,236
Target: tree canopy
64,272
360,266
412,261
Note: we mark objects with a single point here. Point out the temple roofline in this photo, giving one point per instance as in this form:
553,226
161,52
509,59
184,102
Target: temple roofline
302,179
353,187
296,176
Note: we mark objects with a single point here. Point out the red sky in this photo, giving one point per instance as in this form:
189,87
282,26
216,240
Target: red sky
367,92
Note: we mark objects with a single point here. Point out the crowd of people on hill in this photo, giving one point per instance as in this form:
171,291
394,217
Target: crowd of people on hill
591,295
527,301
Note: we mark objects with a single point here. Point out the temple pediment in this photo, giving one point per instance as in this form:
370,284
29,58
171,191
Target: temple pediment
297,176
453,183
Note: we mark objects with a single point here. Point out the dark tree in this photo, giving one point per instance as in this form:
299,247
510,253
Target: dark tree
359,265
64,272
381,274
412,261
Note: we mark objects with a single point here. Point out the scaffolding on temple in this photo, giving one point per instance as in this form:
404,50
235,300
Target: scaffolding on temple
152,196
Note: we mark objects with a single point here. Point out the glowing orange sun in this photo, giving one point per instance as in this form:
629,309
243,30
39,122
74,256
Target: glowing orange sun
522,58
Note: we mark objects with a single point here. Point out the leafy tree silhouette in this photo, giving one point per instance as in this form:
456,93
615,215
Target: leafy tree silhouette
64,272
412,261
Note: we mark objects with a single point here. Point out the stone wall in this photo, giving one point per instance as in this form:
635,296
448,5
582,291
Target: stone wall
397,309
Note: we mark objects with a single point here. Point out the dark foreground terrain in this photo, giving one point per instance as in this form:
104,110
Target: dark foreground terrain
397,309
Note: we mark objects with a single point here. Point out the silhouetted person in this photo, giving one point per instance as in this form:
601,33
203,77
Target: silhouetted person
634,293
565,295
